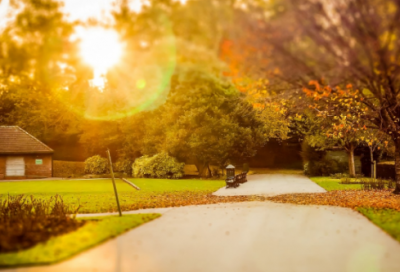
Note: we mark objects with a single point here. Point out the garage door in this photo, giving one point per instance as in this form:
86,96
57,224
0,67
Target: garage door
15,166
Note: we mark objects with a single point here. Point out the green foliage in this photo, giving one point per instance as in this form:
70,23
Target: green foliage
324,167
67,169
205,120
123,166
95,231
96,165
316,163
339,175
158,166
309,153
25,222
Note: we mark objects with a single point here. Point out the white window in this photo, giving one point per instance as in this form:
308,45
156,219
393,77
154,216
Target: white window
15,167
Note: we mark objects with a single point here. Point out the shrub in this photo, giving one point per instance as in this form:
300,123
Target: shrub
324,167
96,165
66,169
24,222
158,166
339,175
123,166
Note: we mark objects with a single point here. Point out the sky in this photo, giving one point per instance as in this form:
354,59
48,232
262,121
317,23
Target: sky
78,9
83,9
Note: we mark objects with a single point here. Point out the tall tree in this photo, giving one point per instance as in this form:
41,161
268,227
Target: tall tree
35,53
341,42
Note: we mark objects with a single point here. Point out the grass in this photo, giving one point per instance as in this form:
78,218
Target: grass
97,230
386,219
331,184
98,196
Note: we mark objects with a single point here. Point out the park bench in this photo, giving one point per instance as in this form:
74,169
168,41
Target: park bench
235,181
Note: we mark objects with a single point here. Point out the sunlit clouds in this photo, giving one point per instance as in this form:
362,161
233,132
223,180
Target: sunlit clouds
101,49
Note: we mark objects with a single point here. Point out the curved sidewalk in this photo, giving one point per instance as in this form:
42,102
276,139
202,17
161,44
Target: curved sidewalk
243,237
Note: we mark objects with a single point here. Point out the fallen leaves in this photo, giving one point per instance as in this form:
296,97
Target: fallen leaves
185,198
382,199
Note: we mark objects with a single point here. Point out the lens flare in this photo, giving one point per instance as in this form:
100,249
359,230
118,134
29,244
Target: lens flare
101,49
141,83
131,77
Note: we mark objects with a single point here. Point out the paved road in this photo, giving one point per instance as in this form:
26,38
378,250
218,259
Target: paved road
246,237
272,184
243,237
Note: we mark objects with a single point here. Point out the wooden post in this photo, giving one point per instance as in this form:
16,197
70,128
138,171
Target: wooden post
113,181
374,170
130,183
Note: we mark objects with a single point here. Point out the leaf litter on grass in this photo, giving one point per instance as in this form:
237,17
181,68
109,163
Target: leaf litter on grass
379,199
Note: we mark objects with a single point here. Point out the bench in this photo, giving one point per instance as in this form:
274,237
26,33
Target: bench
235,181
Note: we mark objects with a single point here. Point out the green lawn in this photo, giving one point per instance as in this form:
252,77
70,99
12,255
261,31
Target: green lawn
98,195
331,184
97,230
386,219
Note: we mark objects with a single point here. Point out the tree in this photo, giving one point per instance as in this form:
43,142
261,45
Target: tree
205,120
35,48
340,42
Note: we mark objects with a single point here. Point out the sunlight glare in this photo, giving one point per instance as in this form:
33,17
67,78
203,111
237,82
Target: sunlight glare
4,5
101,49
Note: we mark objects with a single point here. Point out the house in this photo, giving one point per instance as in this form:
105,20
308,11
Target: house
23,156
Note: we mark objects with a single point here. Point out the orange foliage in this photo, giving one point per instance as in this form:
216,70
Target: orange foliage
384,199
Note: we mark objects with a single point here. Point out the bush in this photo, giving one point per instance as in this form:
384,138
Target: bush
96,165
25,222
123,166
339,175
66,169
386,170
324,167
158,166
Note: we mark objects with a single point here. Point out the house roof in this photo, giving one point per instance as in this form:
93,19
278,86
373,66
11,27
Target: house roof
15,140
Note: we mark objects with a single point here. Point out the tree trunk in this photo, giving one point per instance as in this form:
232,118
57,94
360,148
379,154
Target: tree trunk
397,166
371,154
200,168
350,155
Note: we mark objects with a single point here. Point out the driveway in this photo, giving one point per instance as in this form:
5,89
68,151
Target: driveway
245,237
271,185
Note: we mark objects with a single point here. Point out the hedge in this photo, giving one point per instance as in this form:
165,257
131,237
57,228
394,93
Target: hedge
68,169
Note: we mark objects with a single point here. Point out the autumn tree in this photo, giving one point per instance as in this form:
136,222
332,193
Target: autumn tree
35,50
341,42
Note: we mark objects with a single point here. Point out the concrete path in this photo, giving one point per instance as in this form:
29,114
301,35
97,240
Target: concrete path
245,237
271,185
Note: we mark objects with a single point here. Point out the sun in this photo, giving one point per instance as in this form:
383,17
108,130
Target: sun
101,49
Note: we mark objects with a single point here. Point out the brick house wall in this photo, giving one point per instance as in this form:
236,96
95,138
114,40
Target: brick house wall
32,169
23,156
38,170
